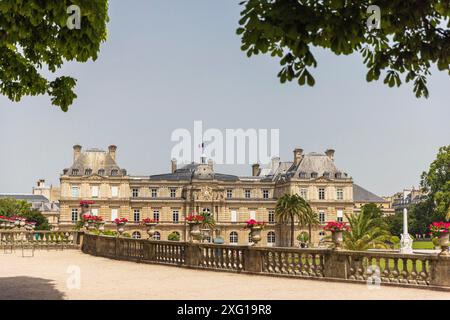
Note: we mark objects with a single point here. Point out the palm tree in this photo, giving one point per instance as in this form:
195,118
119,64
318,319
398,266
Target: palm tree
366,232
288,209
311,218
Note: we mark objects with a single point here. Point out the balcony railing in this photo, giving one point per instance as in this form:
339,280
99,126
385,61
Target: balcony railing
388,268
39,239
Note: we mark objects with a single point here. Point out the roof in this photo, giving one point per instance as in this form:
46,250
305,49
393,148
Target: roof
26,197
362,195
194,171
95,160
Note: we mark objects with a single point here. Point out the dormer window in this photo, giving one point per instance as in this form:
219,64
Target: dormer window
87,172
338,175
302,175
101,172
114,172
314,175
74,172
326,174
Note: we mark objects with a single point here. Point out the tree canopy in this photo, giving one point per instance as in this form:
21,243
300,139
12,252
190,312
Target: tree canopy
412,36
34,34
11,207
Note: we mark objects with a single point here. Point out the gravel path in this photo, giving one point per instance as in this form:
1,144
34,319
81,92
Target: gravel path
53,275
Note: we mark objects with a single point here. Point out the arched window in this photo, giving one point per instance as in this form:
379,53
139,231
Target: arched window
74,172
271,237
87,172
157,236
321,233
250,238
114,172
233,237
326,174
101,172
136,235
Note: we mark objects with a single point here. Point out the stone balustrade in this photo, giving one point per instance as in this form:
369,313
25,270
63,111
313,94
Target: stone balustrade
39,239
385,268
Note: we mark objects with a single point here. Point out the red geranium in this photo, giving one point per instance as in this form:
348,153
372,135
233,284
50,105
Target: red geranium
120,221
334,226
438,228
148,220
86,203
253,223
195,218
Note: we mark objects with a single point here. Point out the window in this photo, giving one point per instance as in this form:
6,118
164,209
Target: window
247,193
94,212
135,192
74,215
314,175
175,216
322,216
101,172
302,175
114,192
326,174
156,215
74,172
233,237
321,233
340,194
154,193
233,215
136,235
304,193
339,215
253,214
136,215
250,240
271,216
87,172
229,194
265,194
173,192
74,192
271,237
94,191
157,236
321,193
114,172
114,214
338,175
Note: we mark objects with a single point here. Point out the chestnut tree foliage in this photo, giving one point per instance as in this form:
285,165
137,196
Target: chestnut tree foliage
413,36
34,38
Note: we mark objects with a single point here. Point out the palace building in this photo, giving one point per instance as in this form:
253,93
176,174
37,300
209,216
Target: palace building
193,188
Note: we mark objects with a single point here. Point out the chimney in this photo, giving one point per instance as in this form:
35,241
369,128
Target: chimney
330,154
112,151
211,164
174,165
255,170
298,155
76,152
275,163
41,183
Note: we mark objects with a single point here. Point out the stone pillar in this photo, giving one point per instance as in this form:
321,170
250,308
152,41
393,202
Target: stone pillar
192,255
440,272
252,260
335,265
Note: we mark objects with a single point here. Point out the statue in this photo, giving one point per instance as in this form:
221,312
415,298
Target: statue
406,240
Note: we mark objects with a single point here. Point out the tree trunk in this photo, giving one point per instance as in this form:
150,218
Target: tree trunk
292,230
309,230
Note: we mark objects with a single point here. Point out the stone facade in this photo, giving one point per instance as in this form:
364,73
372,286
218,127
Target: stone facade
232,200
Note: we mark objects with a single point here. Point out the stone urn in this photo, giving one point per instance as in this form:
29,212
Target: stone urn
151,229
101,226
338,239
444,243
255,234
206,233
194,230
120,228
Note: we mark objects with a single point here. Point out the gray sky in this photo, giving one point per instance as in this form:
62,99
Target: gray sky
168,63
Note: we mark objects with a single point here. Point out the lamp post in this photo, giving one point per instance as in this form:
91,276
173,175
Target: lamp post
406,240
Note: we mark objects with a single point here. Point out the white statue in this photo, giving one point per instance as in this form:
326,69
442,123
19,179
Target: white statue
406,240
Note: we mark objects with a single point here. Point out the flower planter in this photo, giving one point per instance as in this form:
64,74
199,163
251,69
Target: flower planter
151,229
206,233
444,242
120,228
338,239
255,234
101,227
194,230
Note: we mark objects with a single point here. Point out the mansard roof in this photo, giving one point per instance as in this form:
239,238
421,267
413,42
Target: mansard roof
95,161
362,195
194,171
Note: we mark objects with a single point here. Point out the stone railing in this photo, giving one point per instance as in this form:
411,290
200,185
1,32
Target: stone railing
39,239
387,268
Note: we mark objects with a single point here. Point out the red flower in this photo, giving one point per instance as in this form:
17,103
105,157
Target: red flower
120,221
253,223
148,220
335,226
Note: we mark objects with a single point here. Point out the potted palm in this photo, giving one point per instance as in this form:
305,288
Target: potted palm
150,224
337,230
255,230
440,230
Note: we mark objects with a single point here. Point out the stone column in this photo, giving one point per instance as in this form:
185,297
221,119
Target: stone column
440,272
252,260
192,255
335,265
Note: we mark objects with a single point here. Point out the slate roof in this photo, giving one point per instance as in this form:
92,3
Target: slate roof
26,197
362,195
95,160
194,171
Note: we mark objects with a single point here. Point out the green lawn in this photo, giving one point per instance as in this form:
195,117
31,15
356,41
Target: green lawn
423,245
